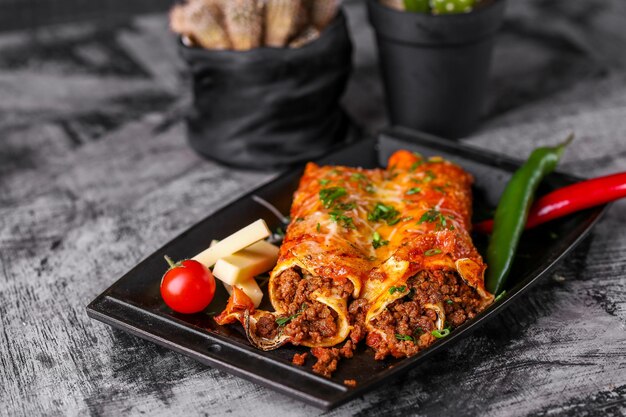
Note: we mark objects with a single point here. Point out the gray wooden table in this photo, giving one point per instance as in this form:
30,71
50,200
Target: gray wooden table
95,175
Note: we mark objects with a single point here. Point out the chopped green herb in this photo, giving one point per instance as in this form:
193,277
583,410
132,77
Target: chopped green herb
394,290
449,301
502,294
377,241
300,219
434,216
338,217
440,189
281,321
430,216
318,227
357,176
440,333
394,221
344,206
384,212
415,165
324,181
405,337
280,231
432,252
414,190
329,195
429,176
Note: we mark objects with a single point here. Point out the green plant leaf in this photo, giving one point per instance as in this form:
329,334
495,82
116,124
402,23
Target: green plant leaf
419,6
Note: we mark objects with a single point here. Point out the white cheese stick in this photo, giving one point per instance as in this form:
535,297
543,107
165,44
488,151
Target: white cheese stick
250,288
247,263
233,243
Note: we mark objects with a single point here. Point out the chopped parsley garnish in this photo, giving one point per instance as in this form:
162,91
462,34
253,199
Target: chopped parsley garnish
414,190
338,217
432,252
440,333
429,176
405,337
440,189
394,221
344,206
434,216
394,290
357,176
449,301
430,216
281,321
384,212
329,195
415,165
318,227
377,241
300,219
324,181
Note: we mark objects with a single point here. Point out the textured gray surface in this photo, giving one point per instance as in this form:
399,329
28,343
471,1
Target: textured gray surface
95,175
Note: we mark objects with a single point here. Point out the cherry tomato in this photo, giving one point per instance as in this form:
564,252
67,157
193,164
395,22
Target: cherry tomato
187,287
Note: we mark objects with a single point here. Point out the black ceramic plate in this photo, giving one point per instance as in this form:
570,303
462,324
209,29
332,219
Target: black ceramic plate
133,303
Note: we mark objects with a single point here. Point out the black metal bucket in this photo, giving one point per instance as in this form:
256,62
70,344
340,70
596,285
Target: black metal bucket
435,68
270,107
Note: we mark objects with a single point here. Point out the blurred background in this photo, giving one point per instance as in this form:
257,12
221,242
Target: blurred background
81,69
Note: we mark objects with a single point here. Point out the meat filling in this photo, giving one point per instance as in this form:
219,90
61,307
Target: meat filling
407,325
306,319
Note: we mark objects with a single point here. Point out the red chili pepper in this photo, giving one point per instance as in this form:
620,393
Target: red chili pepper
570,199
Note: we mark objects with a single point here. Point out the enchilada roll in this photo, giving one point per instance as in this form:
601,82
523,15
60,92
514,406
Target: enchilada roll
431,276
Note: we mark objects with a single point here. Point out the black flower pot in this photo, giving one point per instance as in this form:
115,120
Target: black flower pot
435,68
270,107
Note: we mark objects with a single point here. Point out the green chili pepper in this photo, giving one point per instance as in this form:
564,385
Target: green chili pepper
512,212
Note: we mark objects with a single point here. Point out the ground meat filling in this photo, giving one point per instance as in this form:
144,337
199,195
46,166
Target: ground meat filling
267,327
306,319
328,358
407,325
357,312
299,358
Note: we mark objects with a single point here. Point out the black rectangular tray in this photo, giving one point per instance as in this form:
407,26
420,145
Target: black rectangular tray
134,304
